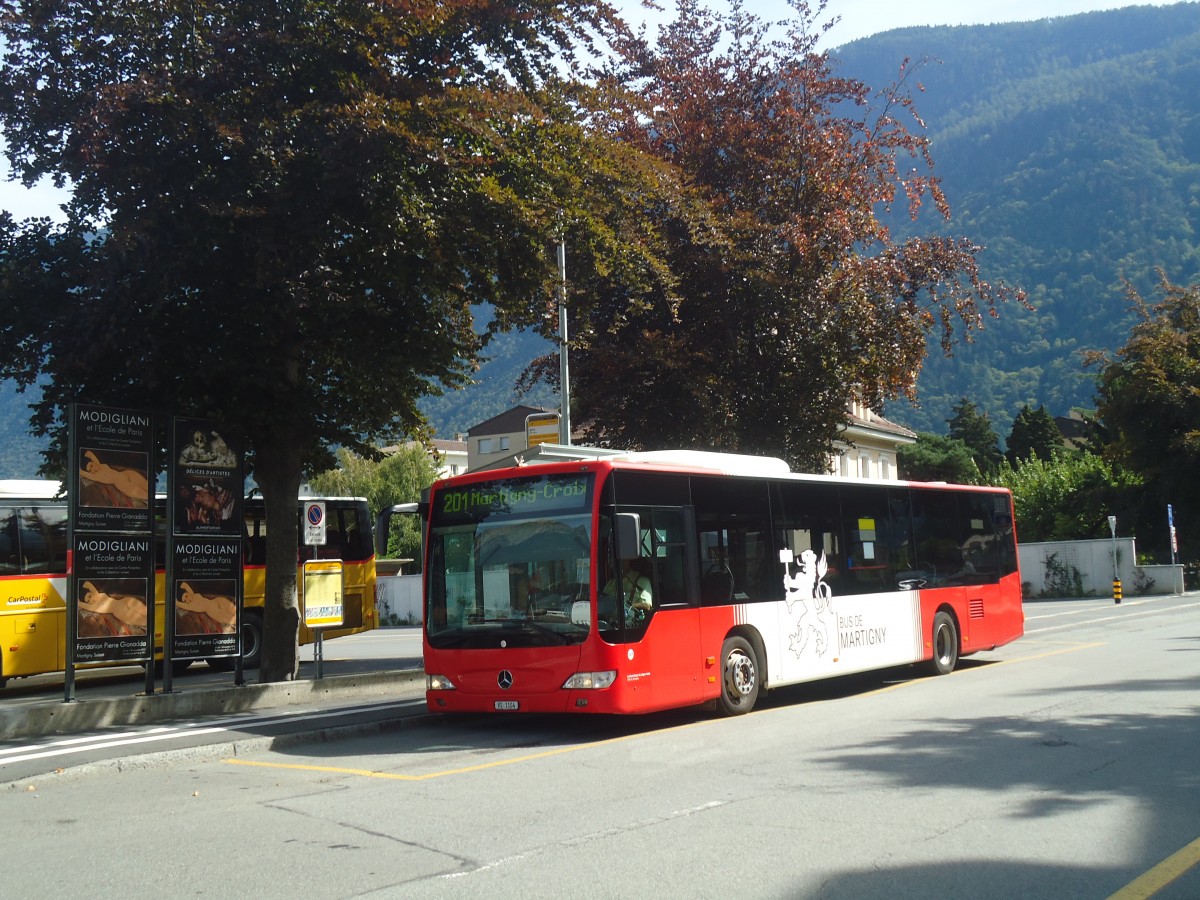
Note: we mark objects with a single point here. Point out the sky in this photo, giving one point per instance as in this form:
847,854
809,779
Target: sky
857,18
861,18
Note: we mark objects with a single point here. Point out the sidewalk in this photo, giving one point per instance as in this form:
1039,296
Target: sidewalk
53,716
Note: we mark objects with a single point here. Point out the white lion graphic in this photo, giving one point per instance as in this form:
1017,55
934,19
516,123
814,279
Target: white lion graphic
813,595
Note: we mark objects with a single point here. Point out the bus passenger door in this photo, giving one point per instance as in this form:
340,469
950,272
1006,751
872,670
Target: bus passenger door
668,656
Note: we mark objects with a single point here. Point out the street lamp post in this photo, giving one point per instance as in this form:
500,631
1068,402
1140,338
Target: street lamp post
564,422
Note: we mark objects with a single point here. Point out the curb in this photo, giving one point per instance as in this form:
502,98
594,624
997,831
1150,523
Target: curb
88,715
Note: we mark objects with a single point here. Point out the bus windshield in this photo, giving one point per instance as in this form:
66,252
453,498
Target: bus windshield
510,563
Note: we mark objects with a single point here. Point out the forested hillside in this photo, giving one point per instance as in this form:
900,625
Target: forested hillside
19,451
1069,147
507,357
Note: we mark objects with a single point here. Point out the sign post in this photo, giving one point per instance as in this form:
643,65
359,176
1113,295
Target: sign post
1171,528
324,605
1112,527
314,523
541,428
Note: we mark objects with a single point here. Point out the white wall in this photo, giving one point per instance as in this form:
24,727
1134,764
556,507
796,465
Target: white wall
1094,562
400,596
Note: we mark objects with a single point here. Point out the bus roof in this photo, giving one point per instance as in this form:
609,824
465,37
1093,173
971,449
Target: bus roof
41,489
725,463
698,461
37,489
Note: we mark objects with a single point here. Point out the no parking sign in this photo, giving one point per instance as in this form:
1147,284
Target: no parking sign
314,523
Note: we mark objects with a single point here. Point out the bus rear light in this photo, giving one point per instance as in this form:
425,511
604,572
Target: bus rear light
438,683
590,681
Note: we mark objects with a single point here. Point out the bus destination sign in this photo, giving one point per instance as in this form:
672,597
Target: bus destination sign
517,497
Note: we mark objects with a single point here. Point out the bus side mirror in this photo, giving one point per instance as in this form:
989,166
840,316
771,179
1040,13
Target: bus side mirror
383,522
629,535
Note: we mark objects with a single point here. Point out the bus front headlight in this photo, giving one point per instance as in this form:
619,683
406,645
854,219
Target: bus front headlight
590,681
438,683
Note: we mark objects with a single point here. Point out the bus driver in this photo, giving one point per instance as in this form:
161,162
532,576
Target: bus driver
634,589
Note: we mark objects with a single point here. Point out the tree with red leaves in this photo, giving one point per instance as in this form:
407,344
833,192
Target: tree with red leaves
789,295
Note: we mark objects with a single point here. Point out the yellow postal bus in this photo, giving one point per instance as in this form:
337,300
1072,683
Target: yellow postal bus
33,577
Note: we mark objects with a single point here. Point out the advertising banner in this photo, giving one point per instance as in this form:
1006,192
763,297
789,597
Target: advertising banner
113,581
114,481
207,585
207,478
204,604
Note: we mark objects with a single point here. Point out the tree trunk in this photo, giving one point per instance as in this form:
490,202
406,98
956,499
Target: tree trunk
277,471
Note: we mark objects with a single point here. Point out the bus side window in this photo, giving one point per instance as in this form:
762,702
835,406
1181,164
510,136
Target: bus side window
349,538
666,544
1002,523
353,543
938,536
733,532
10,545
981,563
256,539
807,518
44,540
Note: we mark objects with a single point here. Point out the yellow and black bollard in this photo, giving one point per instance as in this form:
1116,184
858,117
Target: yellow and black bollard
1116,590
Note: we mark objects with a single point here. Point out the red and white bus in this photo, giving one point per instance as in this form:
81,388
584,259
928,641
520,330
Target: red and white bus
646,581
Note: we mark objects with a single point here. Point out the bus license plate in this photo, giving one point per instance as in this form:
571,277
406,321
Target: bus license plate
507,704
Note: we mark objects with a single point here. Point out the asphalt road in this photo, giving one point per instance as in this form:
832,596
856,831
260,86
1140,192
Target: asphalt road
1064,765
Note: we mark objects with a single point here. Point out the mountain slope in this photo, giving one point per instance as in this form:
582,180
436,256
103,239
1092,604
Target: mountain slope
1070,148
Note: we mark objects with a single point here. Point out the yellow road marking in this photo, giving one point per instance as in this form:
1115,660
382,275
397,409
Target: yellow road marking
369,773
1150,883
1068,648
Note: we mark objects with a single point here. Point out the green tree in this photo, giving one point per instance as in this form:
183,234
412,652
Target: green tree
1068,497
792,298
975,430
284,214
399,477
1149,408
935,457
1033,434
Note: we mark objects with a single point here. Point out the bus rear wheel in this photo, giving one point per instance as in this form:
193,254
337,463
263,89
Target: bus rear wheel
945,644
739,677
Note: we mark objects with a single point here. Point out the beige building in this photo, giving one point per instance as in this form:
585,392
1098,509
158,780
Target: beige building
451,456
867,448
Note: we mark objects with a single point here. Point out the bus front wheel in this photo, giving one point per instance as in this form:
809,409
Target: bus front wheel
252,640
739,677
945,644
